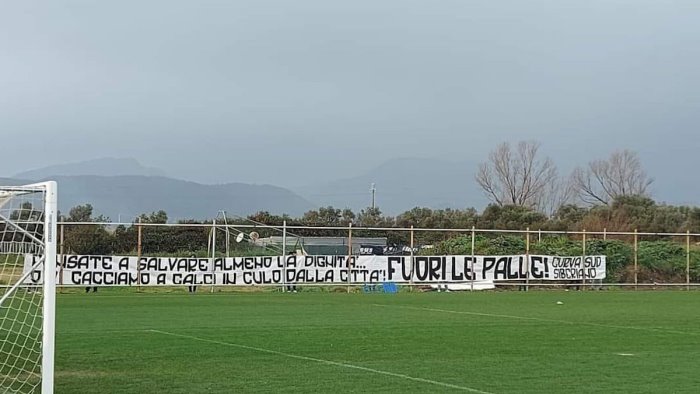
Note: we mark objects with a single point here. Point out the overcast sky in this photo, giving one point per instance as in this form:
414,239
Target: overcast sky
268,91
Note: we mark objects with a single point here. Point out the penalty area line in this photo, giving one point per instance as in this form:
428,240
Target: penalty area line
322,361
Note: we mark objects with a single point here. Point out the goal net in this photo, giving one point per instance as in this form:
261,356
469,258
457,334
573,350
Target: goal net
27,287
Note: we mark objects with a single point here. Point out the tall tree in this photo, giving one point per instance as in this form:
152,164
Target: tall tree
602,181
160,217
517,176
87,239
347,217
370,217
324,216
83,213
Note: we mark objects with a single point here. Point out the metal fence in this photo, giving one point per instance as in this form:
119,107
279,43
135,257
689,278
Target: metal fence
635,259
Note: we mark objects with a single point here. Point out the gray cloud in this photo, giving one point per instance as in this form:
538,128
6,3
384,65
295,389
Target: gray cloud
268,91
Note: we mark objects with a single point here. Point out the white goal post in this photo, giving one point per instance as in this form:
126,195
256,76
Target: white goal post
28,216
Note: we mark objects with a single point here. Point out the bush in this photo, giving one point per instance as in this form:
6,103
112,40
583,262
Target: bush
501,245
618,255
557,246
483,245
664,259
461,245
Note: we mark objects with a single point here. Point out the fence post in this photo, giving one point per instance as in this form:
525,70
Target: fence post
527,258
605,234
138,255
687,261
636,249
349,255
60,258
413,260
284,256
473,257
213,249
228,238
583,259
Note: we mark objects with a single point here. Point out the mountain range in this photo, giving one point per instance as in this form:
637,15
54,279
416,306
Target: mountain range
122,189
108,166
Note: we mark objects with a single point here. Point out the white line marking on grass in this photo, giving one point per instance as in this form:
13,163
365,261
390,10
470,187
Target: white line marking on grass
327,362
625,354
650,329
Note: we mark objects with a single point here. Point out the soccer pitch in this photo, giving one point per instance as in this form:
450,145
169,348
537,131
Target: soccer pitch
494,342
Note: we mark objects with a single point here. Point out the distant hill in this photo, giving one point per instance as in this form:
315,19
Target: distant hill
104,167
403,184
13,182
129,196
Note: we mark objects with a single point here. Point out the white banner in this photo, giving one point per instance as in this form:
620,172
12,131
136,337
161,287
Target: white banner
279,270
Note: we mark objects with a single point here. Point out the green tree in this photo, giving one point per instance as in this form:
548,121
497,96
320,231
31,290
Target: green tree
437,219
125,239
324,216
625,213
265,217
371,217
567,217
155,239
160,217
92,239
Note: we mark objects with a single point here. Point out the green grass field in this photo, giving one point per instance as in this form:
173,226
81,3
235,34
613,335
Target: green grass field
495,342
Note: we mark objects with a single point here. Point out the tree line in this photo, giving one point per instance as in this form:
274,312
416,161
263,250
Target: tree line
624,214
660,258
